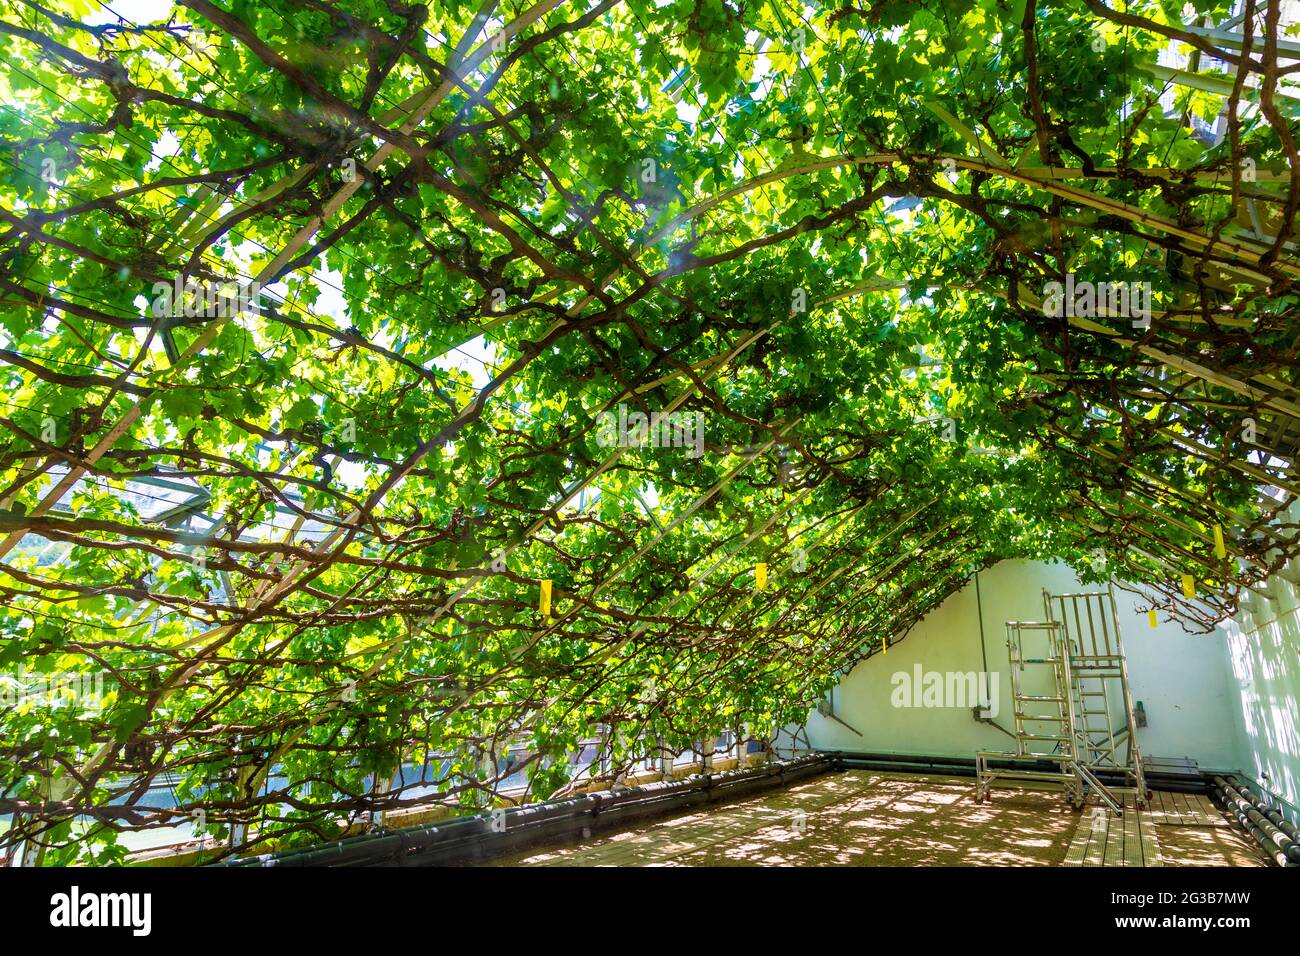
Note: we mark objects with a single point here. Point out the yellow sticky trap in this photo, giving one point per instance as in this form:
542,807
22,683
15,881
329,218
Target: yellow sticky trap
1219,550
1153,618
884,645
544,603
1189,587
760,576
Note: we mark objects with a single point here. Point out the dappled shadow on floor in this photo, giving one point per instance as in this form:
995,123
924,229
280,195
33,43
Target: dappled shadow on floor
1207,846
912,821
856,818
862,818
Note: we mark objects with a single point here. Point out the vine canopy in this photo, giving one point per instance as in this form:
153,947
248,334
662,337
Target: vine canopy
402,401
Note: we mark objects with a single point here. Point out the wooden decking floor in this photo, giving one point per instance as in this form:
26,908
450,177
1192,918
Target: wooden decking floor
1177,829
865,818
1103,838
1185,810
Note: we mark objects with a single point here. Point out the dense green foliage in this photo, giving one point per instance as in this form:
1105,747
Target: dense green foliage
306,541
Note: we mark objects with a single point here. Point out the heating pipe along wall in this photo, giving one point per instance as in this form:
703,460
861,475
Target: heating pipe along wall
1265,825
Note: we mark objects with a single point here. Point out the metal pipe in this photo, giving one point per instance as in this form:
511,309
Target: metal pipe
1281,844
1277,846
965,767
1271,812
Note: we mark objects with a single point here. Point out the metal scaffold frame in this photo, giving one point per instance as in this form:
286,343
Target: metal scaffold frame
1090,706
1103,702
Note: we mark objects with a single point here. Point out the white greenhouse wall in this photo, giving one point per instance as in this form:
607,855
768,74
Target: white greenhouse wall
1184,681
1264,644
